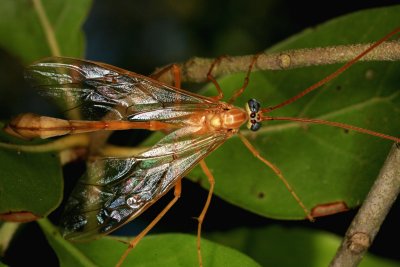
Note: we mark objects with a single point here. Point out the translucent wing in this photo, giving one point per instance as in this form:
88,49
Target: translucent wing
99,89
116,190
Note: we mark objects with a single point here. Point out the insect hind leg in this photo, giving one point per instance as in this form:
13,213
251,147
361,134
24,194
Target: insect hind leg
175,71
202,215
136,240
278,173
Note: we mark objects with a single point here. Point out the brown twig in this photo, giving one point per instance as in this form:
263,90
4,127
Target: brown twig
195,69
372,213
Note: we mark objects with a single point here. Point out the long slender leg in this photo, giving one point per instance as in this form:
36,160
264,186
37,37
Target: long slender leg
211,78
246,80
200,219
175,72
277,172
135,241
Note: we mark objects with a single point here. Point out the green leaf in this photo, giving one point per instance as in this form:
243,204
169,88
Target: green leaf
22,32
323,164
270,246
153,250
31,183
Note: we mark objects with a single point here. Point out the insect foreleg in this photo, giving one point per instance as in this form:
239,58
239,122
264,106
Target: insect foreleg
212,79
136,240
240,91
277,172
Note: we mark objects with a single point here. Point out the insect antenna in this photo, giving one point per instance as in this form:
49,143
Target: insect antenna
334,124
334,74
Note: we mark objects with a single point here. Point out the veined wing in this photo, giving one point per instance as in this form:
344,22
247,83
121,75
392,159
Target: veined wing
98,89
116,190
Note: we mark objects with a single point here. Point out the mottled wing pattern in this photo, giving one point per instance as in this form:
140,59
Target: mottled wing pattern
113,191
116,190
97,89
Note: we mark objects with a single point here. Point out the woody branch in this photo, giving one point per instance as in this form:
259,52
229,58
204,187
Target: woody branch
195,69
372,213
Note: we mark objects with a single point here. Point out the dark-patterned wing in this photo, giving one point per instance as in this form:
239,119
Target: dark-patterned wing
116,190
97,89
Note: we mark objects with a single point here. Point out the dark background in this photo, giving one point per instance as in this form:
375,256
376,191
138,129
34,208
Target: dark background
143,35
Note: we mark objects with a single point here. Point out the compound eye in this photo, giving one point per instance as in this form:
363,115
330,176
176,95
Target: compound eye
255,126
254,105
